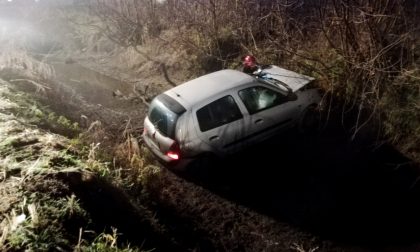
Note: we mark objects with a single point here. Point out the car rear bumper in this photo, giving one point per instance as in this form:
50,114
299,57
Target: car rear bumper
177,165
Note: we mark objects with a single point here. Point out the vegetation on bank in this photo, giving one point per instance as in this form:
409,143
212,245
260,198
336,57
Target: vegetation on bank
39,212
44,157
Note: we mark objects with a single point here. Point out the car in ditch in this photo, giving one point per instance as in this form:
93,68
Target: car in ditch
222,113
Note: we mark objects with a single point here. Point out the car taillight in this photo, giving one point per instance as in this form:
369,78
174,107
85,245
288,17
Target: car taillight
174,152
173,155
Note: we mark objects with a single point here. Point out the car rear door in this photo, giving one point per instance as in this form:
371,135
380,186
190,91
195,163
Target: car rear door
220,123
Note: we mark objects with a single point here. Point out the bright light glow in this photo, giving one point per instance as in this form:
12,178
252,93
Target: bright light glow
18,31
173,155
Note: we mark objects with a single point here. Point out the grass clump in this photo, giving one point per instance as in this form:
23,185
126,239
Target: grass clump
36,113
42,222
16,61
107,243
402,117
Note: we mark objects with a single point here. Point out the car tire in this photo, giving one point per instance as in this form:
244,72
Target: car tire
310,120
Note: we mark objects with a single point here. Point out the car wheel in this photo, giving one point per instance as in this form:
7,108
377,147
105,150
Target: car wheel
310,119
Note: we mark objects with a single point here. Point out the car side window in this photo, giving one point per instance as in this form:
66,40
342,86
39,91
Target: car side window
218,113
259,98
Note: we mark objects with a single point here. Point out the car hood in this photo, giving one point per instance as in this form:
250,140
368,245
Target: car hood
292,79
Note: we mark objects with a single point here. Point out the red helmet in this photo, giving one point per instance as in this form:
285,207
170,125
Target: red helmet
250,61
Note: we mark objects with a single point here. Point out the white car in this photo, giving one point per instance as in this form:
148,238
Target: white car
221,113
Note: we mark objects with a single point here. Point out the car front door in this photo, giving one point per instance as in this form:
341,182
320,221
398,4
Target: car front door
269,111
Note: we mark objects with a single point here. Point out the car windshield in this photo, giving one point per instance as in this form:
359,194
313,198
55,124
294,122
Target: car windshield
162,118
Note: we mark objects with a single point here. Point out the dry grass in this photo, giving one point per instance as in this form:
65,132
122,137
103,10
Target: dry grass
28,219
16,60
37,210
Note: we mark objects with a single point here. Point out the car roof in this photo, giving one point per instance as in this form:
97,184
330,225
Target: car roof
199,89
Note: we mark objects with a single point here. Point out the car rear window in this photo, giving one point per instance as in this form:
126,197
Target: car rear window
163,113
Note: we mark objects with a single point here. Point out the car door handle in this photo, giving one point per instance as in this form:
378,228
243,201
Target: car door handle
213,138
258,121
